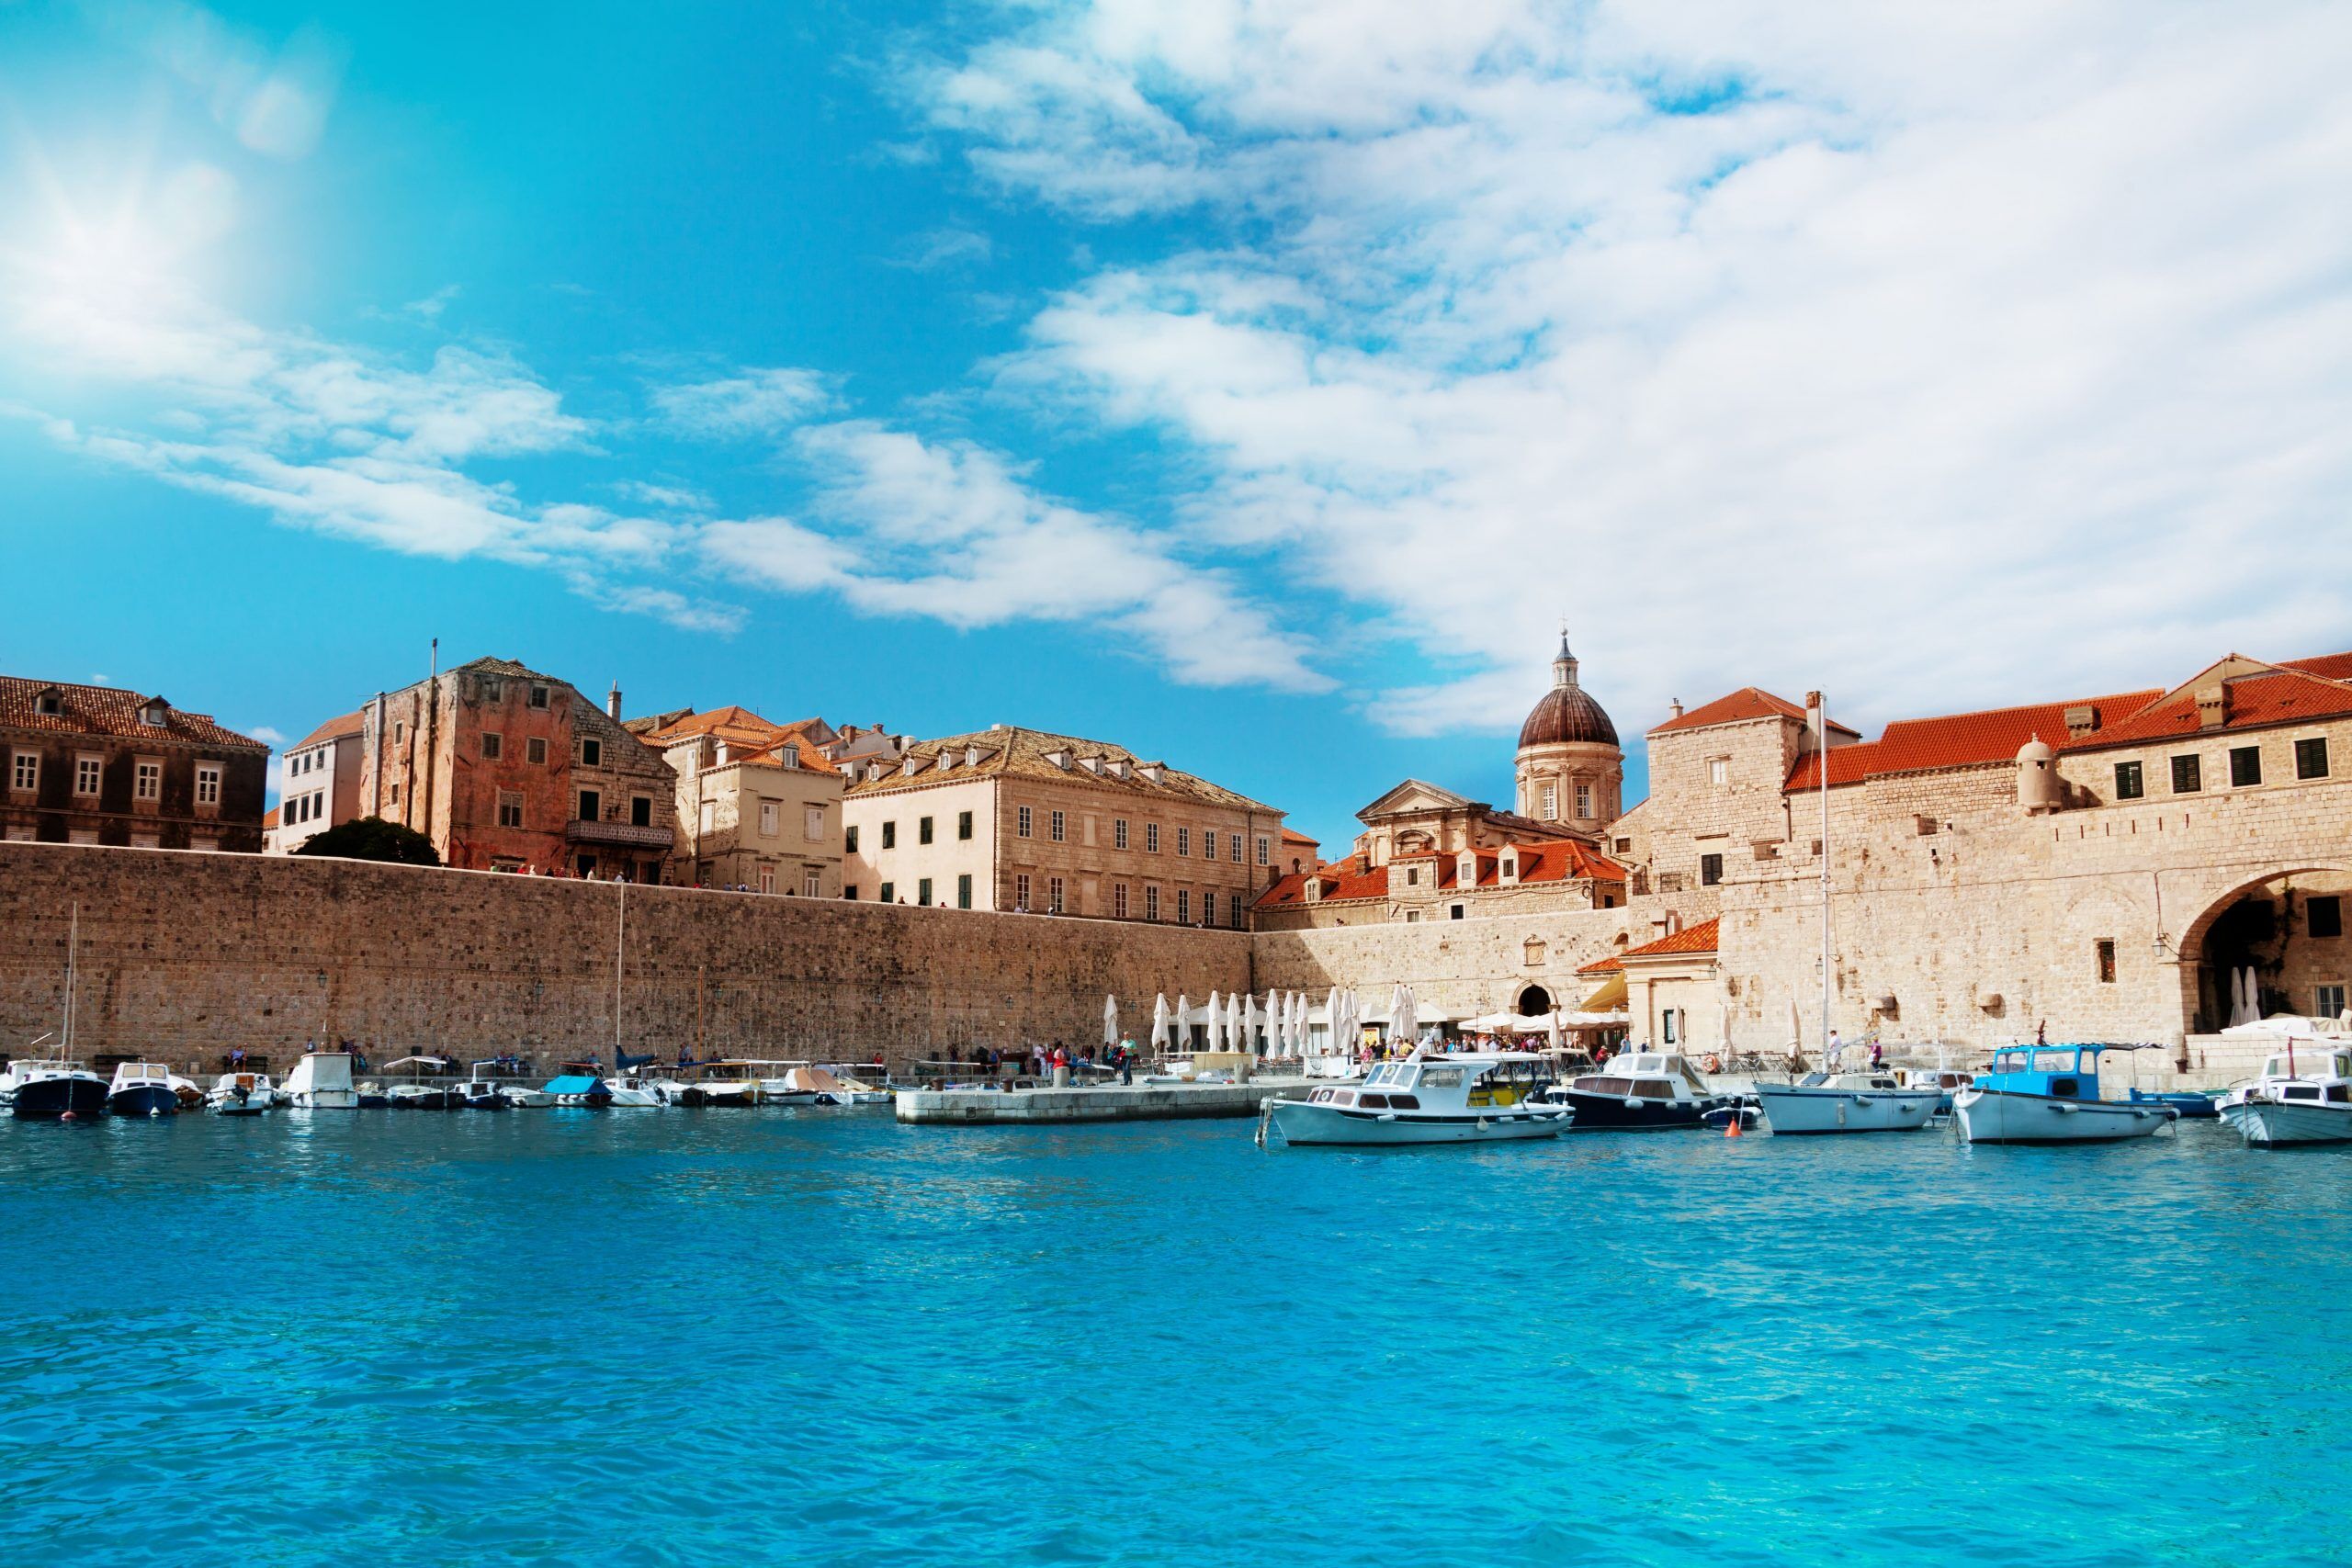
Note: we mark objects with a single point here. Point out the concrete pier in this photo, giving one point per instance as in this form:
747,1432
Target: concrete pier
1110,1102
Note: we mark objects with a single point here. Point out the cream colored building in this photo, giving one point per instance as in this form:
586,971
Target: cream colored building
1022,820
759,803
317,784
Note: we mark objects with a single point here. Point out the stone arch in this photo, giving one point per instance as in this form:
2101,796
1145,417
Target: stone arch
1534,1001
2227,932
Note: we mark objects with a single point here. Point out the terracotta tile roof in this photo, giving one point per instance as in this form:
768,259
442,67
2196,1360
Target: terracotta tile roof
332,729
1699,938
1293,836
2274,696
2333,666
269,820
1607,965
1747,703
1017,752
1538,862
734,724
1958,740
107,710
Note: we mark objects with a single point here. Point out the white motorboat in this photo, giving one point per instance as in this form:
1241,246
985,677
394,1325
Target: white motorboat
1846,1102
1641,1091
2040,1093
1484,1097
143,1089
2302,1096
631,1093
1946,1081
46,1086
243,1094
322,1081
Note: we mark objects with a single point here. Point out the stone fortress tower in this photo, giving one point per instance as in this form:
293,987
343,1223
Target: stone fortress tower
1571,769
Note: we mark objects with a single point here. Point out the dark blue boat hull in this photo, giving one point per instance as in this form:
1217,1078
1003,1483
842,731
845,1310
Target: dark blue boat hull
145,1100
1611,1113
46,1098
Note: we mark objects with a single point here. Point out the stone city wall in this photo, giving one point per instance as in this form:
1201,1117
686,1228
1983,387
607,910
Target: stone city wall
1466,967
183,955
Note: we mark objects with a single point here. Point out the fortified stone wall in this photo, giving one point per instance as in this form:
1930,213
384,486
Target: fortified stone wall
1468,965
184,955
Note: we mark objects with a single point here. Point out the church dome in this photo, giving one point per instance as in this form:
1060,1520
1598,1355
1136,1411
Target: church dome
1567,712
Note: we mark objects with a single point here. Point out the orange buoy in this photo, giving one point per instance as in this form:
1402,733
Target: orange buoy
1731,1128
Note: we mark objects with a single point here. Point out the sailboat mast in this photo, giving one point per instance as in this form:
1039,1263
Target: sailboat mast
620,945
72,958
1821,764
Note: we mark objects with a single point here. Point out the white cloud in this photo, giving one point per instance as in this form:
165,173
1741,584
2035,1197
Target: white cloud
748,402
274,100
267,734
945,248
668,498
1955,356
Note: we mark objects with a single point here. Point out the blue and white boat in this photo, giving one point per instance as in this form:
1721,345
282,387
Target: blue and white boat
583,1085
2303,1096
143,1089
2049,1094
1486,1097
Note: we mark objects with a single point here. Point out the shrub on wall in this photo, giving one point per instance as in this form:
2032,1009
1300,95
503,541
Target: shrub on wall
372,838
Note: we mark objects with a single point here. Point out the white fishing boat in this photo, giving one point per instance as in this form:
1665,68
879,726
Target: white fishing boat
243,1094
53,1086
631,1092
2303,1095
2040,1093
1485,1097
1846,1102
322,1081
141,1088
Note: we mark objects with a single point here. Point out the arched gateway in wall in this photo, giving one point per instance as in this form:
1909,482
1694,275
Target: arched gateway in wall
2287,925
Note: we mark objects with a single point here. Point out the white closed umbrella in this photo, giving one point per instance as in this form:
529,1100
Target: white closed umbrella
1184,1024
1217,1021
1159,1023
1796,1029
1404,1018
1249,1024
1235,1037
1273,1025
1331,1009
1555,1030
1110,1021
2238,1009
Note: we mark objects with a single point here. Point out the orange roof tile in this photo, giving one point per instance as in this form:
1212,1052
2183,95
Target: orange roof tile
1699,938
2333,666
1958,740
1747,703
107,710
2278,696
269,819
1293,836
1601,966
332,729
1567,861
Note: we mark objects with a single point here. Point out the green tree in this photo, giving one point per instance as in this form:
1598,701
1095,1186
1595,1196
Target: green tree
372,838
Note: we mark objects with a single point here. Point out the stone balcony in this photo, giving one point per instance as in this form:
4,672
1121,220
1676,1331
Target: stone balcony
580,831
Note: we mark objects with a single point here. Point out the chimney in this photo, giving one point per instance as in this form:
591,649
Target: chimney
613,702
1674,708
2213,707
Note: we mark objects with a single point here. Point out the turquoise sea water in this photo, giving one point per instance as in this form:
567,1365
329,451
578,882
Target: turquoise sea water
821,1337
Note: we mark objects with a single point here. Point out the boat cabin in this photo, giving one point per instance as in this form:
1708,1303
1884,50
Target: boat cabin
1444,1083
1646,1075
2054,1072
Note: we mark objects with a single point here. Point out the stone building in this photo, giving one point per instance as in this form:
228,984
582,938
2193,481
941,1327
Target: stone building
319,783
101,765
1427,853
507,769
759,803
1018,819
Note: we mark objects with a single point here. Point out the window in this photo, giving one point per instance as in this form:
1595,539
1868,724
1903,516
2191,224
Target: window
494,745
2246,766
2310,758
2128,784
1667,1030
1057,828
207,783
767,819
1233,852
1711,870
1021,892
849,890
1265,850
24,775
1184,906
923,830
2323,916
923,892
147,781
1118,833
591,805
1151,903
1454,913
1024,822
812,882
510,808
1054,895
1151,838
887,889
2327,1001
1119,900
1208,909
1412,876
49,704
1718,769
494,689
709,818
963,891
535,751
963,827
1183,840
1584,800
812,824
396,795
1208,844
592,752
2106,952
400,732
849,838
641,811
2186,774
538,695
1551,803
767,878
890,835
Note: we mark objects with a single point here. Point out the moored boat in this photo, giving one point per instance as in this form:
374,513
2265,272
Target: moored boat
141,1088
242,1094
322,1081
1484,1097
579,1085
1846,1102
55,1088
2049,1094
1640,1091
2303,1095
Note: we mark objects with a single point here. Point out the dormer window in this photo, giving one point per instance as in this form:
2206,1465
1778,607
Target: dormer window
50,702
907,769
971,756
154,711
1092,764
1156,772
1507,866
1058,757
1121,768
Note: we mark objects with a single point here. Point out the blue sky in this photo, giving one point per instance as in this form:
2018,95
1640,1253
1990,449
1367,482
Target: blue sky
1257,385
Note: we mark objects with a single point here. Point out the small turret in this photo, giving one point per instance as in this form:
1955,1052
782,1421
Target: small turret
2037,788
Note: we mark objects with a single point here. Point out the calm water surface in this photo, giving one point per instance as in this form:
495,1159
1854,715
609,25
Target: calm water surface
821,1337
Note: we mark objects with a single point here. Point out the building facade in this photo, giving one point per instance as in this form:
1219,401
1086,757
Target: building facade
1021,820
759,805
507,769
317,784
101,765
